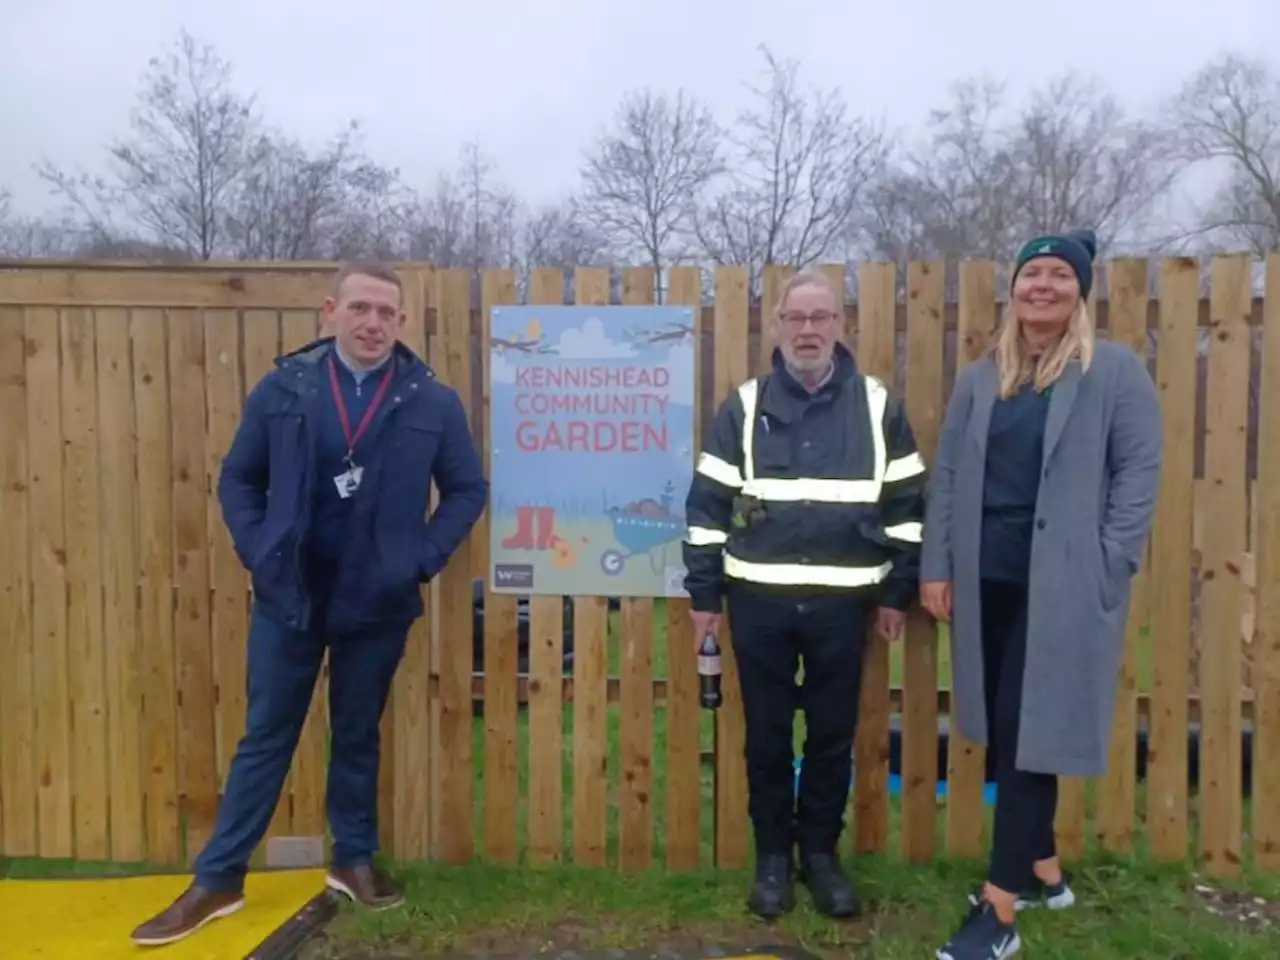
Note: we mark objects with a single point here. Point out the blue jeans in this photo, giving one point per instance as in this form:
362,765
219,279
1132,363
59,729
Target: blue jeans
282,666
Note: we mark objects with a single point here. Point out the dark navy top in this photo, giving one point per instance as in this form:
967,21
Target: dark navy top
1015,451
331,512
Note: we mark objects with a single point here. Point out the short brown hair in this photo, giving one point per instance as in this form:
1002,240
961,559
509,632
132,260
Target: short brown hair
378,269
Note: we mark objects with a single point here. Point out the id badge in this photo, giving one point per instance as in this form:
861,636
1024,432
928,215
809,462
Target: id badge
348,482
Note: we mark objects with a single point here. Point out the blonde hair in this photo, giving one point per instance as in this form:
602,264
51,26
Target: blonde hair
1017,367
808,277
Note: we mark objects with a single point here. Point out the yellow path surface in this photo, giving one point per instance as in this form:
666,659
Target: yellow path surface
92,919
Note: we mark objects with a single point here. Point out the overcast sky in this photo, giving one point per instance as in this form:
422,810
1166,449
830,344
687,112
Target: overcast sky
534,80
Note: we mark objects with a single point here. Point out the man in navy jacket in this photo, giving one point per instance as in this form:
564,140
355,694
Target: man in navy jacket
325,492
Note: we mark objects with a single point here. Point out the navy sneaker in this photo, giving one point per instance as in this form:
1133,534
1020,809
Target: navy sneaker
1055,896
982,936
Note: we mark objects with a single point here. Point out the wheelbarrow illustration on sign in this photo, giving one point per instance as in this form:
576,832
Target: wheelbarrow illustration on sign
641,527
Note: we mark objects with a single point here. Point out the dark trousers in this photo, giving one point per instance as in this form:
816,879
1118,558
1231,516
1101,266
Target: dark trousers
282,668
1025,802
772,635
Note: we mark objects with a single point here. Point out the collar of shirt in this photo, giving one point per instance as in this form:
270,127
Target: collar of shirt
357,372
826,377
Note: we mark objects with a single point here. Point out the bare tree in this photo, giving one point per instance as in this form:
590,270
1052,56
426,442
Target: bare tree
1228,116
25,236
643,179
491,210
948,196
801,166
172,181
1082,161
984,180
560,236
469,220
296,204
377,219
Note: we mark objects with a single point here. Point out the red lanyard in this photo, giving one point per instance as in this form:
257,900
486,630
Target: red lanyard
341,404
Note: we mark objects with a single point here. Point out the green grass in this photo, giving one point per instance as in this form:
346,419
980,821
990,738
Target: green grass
1127,912
1130,908
40,868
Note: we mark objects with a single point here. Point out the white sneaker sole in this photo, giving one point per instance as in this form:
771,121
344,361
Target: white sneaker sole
226,911
1059,901
337,886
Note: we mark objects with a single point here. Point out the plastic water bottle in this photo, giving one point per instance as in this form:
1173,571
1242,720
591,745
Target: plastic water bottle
709,672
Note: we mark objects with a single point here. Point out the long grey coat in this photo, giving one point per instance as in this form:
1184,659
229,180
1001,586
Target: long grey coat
1097,495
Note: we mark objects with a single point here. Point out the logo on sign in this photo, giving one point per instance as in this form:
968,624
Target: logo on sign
513,576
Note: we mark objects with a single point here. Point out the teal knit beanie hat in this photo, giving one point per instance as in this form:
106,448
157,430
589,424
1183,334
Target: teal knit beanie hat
1077,247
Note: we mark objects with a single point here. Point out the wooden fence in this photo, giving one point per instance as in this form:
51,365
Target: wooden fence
123,608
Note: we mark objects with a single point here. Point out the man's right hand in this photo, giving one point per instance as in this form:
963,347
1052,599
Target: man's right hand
935,596
704,622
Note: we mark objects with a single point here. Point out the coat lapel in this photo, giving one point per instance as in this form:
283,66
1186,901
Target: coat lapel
1060,402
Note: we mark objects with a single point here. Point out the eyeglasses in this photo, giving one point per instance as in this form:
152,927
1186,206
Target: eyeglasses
819,318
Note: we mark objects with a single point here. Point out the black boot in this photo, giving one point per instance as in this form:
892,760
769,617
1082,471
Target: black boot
833,893
772,894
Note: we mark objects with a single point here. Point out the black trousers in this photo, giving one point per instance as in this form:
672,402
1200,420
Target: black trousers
1025,802
772,635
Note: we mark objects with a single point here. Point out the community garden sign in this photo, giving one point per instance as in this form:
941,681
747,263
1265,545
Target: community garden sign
591,433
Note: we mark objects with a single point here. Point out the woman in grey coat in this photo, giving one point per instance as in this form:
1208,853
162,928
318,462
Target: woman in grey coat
1042,496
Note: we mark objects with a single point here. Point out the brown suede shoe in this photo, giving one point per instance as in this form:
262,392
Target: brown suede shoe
366,885
186,915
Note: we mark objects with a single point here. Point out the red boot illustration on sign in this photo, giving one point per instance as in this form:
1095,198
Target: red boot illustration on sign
536,530
522,539
547,538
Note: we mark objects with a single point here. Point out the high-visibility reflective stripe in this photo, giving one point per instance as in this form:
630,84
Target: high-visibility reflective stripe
705,537
804,575
877,399
824,491
910,532
802,488
721,471
912,465
748,393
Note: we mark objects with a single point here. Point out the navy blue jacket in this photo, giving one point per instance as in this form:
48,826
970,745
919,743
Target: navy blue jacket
418,434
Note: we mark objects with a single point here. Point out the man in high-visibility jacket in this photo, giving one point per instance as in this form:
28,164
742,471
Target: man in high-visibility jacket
805,516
